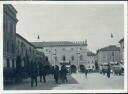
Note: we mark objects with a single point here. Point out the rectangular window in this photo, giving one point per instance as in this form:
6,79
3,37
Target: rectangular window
13,65
56,58
7,45
11,27
81,57
8,25
112,53
63,58
72,58
5,25
8,63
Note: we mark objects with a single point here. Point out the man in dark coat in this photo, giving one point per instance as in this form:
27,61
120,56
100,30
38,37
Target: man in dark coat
52,70
40,71
34,73
56,73
108,71
64,73
44,72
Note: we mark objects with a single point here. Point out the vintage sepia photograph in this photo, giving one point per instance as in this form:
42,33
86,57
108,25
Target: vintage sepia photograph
63,47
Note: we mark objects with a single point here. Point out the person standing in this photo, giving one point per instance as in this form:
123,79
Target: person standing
108,71
103,71
86,72
44,71
52,70
64,73
40,71
56,74
34,72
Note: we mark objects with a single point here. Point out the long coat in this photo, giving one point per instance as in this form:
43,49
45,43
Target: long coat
34,69
56,72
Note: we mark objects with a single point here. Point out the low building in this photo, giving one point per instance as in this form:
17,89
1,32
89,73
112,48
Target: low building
64,52
9,38
108,55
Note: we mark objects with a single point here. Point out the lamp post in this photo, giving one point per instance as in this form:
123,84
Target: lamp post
78,53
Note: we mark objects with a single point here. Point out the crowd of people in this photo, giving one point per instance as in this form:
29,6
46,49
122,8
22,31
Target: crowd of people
107,71
42,71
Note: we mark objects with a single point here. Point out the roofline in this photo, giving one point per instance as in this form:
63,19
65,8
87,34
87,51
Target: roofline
13,11
65,45
12,7
74,44
25,40
109,50
102,49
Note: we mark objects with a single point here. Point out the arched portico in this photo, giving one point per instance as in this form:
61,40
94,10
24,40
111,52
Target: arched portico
73,68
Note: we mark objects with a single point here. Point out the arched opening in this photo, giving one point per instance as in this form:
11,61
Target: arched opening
13,64
73,69
18,62
82,68
18,70
8,63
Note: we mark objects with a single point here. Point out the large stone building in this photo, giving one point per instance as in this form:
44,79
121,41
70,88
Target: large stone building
64,52
109,54
9,38
122,50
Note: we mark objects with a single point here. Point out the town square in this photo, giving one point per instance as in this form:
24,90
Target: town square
63,47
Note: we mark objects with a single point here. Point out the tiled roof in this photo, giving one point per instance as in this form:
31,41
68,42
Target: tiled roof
110,48
57,43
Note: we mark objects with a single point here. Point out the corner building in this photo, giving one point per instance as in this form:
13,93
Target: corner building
9,36
108,55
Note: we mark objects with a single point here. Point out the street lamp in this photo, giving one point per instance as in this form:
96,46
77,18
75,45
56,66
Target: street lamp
78,53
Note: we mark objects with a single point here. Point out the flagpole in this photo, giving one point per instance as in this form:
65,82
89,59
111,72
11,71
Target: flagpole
112,38
38,38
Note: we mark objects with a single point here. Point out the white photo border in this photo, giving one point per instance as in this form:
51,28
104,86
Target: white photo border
125,90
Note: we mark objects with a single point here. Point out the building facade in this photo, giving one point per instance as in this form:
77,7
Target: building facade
9,38
91,61
109,54
122,50
24,51
58,53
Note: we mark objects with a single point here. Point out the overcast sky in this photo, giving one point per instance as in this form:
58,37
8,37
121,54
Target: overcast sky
71,23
